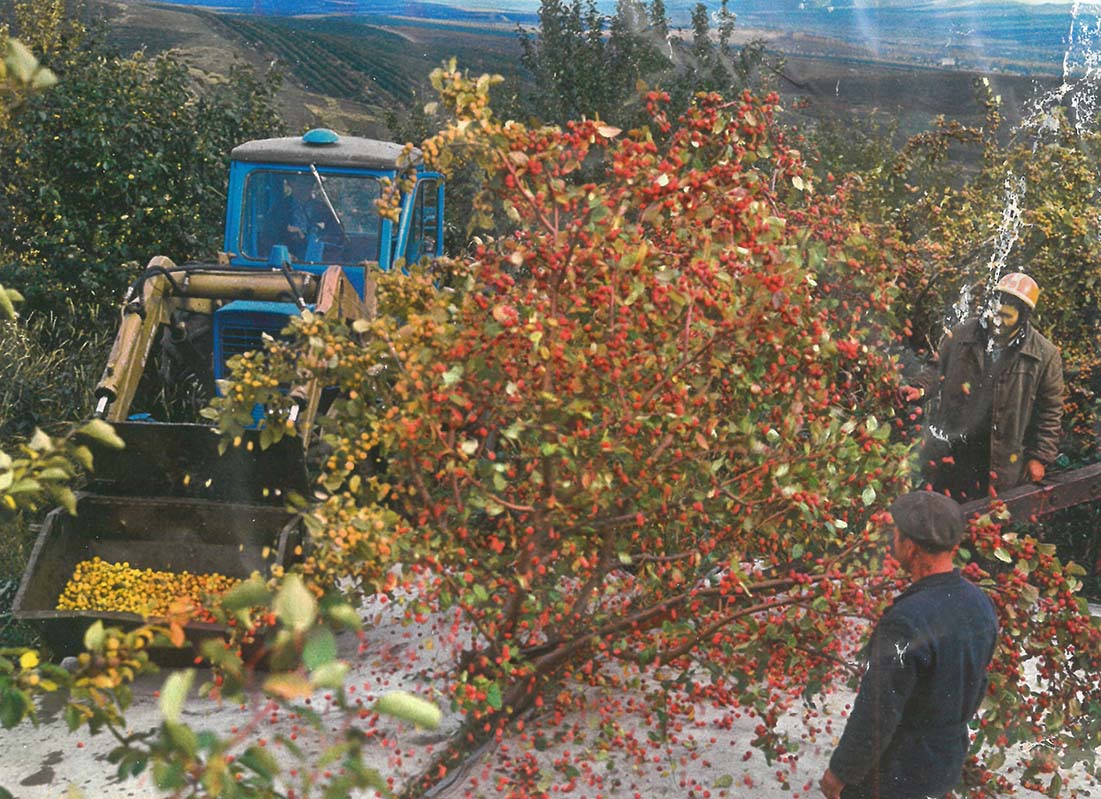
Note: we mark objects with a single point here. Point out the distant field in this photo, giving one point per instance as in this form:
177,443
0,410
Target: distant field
913,95
348,58
347,72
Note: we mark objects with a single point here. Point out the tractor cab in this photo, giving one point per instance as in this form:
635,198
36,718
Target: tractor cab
309,203
316,196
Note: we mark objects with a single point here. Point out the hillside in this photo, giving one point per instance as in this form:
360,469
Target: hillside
992,35
339,72
348,72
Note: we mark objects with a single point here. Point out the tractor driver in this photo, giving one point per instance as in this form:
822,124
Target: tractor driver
288,220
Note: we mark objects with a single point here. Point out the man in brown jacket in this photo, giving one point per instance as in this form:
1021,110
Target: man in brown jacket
996,422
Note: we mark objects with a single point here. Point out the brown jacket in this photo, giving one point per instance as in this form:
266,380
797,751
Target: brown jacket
1027,409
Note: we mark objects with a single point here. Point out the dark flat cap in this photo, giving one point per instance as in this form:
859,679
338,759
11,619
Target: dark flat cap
929,519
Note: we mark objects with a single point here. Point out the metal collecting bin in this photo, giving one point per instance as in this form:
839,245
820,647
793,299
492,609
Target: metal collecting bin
169,533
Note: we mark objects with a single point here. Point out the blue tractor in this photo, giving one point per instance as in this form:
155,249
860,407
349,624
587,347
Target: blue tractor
302,230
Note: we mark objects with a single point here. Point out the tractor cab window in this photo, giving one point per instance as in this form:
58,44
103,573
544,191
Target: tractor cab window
425,223
323,219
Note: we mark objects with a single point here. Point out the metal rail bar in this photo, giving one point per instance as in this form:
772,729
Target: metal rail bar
1058,491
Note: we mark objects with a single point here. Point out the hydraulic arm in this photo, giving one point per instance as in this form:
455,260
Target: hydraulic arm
166,288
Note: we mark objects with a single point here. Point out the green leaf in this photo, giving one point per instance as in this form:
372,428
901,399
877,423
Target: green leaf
330,675
295,605
93,637
43,79
346,616
20,61
25,487
182,737
14,705
1002,555
1030,594
260,760
407,707
724,781
334,753
174,693
66,498
73,718
168,776
493,696
291,746
248,594
320,649
100,431
452,375
7,308
53,473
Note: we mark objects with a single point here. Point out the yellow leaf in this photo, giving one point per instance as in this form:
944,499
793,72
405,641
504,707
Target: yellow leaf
28,660
176,634
288,686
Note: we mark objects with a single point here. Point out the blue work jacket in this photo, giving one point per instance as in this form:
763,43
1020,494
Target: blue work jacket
906,737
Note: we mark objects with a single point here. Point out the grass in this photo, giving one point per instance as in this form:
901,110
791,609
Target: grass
47,374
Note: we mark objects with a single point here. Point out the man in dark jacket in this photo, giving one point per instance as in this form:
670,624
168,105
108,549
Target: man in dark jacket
1000,400
906,737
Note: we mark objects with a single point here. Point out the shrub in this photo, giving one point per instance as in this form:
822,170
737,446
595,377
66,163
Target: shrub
123,160
644,441
651,427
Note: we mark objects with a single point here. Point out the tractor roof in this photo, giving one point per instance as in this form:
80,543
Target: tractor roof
323,148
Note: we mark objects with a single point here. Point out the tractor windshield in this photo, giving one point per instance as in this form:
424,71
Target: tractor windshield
296,209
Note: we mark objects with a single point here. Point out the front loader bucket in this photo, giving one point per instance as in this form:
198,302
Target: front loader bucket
182,460
174,535
168,502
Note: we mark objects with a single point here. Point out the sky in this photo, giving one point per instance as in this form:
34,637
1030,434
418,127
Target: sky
734,4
